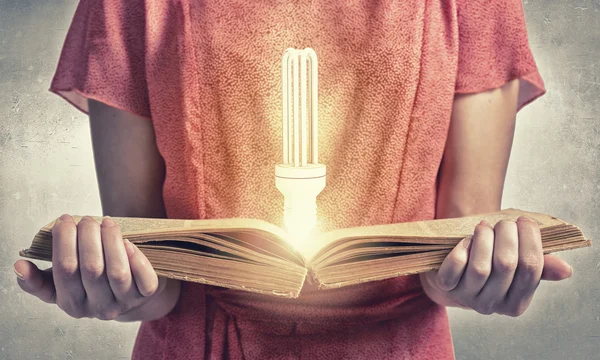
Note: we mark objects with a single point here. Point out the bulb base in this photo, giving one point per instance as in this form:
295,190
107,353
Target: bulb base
300,187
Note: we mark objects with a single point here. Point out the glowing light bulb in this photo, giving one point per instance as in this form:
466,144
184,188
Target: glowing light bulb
300,178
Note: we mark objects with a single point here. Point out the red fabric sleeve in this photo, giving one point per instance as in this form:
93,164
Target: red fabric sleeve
103,57
494,49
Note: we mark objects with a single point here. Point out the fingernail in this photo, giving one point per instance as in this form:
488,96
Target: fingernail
484,223
87,218
525,219
19,275
129,247
107,222
66,217
571,274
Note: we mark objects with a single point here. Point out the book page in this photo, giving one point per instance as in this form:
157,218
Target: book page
446,228
253,255
255,230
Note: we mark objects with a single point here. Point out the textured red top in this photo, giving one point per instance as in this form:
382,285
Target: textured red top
208,75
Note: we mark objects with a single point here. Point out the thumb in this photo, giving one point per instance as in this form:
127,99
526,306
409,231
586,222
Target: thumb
35,281
555,268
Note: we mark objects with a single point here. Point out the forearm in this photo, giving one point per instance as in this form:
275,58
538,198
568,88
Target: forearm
131,173
473,169
453,202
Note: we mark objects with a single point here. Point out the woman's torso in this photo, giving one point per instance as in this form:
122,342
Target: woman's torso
387,74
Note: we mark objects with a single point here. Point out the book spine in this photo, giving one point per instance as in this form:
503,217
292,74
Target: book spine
311,277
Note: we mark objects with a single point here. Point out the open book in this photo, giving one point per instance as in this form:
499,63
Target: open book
254,255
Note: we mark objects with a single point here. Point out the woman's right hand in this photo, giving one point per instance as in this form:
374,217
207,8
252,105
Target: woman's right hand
97,274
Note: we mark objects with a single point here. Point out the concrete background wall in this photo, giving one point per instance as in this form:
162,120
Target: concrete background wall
46,168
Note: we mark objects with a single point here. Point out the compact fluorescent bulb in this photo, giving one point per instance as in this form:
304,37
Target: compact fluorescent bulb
300,178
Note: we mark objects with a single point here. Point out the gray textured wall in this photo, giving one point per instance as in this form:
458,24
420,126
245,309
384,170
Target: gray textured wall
46,168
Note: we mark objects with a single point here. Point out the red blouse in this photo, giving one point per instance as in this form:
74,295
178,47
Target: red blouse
207,74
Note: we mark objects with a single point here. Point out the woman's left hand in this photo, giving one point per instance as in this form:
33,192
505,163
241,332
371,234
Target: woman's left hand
497,270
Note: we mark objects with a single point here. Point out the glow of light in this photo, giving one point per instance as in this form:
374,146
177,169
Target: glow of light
300,220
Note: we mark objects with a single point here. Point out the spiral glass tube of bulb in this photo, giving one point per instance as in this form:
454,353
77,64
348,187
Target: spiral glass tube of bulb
300,177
